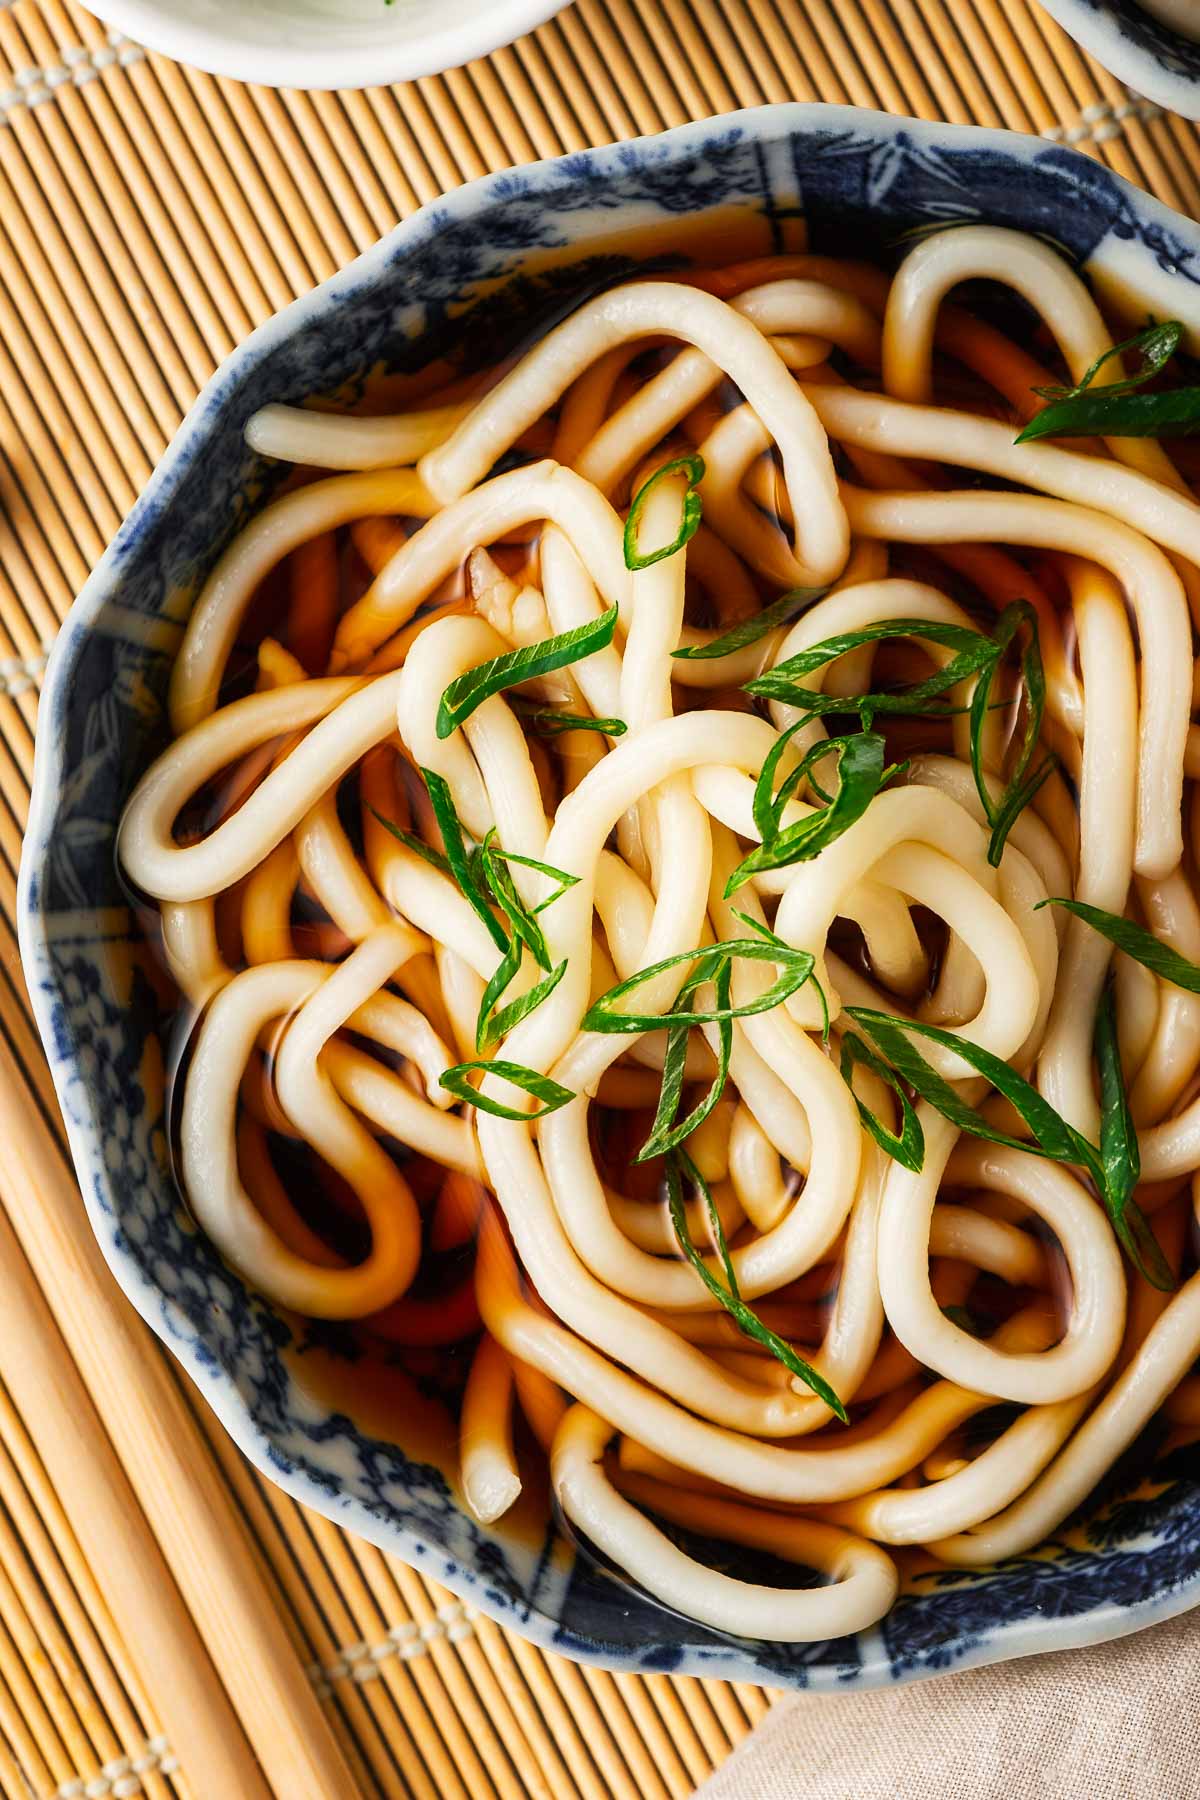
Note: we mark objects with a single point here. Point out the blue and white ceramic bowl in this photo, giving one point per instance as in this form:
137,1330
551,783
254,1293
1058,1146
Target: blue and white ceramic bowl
377,1457
1133,45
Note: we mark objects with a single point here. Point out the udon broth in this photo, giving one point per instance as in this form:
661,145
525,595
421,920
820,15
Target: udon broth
684,717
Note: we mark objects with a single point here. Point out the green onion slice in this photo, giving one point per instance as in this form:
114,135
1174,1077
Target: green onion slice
490,859
1116,409
491,1026
1173,413
862,773
1156,344
1002,815
547,723
974,651
664,1134
1120,1157
412,842
519,916
764,931
474,686
551,1093
798,965
975,655
1053,1137
1135,941
747,1321
565,881
908,1149
693,467
462,867
768,806
796,600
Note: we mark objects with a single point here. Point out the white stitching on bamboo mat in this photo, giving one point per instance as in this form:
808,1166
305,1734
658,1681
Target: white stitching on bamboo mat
361,1662
1103,121
122,1776
19,673
34,85
1097,123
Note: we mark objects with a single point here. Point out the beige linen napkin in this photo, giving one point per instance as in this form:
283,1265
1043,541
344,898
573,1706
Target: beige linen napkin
1118,1722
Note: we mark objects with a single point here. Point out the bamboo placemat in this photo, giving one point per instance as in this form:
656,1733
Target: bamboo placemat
165,1623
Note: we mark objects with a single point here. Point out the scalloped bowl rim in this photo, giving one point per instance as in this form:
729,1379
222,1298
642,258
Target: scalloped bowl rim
1100,33
1007,1639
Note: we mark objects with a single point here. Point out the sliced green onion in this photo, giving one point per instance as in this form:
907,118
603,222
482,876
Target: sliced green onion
460,865
489,859
746,1320
764,931
1117,409
1157,344
1175,413
547,723
503,973
1013,803
602,1015
767,806
693,467
474,686
796,600
1135,941
501,1023
474,872
975,655
1120,1157
540,1087
519,916
973,652
862,773
686,1164
1002,814
410,840
564,880
1053,1137
908,1149
664,1134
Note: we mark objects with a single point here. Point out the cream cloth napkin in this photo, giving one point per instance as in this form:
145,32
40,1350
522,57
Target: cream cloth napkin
1118,1722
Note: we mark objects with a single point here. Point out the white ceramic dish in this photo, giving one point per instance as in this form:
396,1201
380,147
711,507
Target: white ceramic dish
324,43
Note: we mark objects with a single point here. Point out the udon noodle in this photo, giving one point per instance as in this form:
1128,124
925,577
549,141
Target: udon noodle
465,784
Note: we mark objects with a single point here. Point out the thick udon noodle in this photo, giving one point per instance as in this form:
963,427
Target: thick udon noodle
650,1404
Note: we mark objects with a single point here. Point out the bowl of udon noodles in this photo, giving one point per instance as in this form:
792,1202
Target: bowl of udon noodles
611,899
1154,45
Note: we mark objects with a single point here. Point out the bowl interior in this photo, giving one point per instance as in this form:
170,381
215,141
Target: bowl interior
374,1446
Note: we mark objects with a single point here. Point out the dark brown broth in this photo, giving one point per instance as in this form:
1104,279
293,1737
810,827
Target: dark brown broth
361,1366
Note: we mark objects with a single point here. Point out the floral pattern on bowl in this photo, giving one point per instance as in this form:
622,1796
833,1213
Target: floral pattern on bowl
1132,44
287,1394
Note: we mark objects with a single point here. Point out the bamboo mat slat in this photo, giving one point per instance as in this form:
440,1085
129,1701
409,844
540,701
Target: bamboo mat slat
150,216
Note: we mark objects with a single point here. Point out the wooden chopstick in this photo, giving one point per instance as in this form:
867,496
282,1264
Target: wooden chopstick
200,1540
107,1520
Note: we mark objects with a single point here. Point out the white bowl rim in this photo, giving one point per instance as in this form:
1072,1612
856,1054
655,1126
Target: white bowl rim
266,60
1100,34
1024,1637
